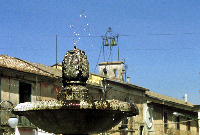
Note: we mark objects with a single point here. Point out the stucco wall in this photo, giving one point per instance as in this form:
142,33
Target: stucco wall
126,93
114,70
171,122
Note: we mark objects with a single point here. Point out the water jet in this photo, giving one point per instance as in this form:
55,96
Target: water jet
75,111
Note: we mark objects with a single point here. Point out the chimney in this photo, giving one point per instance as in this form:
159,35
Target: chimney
186,98
127,79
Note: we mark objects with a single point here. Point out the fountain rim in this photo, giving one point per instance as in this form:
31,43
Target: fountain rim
110,105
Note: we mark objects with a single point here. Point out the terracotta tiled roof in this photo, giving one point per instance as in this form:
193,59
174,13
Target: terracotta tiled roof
168,98
128,84
51,70
29,67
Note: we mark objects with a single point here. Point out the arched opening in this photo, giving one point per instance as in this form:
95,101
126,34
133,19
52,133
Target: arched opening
115,72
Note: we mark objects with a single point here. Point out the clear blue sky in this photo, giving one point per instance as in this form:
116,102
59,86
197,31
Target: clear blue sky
159,39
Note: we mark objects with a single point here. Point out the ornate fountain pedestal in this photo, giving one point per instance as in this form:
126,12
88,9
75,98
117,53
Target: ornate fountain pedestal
74,112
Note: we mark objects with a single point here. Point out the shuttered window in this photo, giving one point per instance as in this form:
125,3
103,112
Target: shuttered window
178,122
188,124
165,121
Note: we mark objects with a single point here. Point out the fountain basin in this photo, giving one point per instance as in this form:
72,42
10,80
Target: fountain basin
76,116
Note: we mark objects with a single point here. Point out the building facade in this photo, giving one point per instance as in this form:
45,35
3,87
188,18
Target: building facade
23,81
158,114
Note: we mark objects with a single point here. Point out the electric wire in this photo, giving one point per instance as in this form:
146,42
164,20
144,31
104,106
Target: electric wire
98,60
51,35
11,35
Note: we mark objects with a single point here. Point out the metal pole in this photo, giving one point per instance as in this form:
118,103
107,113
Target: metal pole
110,49
163,118
118,48
56,52
103,51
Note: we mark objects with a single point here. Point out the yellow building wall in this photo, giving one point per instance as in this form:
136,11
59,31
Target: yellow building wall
95,79
58,67
171,123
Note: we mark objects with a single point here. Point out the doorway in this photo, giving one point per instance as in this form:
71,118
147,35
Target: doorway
24,96
24,92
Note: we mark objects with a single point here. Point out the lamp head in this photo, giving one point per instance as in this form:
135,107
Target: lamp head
13,121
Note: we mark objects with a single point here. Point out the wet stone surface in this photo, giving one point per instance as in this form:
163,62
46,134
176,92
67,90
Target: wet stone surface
74,111
75,66
79,104
75,73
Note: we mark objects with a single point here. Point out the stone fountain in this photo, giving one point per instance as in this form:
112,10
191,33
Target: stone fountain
75,111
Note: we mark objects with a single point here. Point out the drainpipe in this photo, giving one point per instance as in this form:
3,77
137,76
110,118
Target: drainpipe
36,81
173,126
163,119
9,88
104,89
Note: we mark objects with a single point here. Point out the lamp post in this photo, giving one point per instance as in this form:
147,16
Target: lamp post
109,40
12,121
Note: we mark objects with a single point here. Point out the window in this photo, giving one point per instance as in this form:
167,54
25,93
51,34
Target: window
24,92
24,96
165,121
141,130
178,122
105,71
188,124
115,72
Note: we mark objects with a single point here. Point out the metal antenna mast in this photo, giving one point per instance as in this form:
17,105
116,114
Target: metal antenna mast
56,53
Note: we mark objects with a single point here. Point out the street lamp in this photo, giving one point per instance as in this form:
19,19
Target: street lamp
12,121
109,39
176,113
